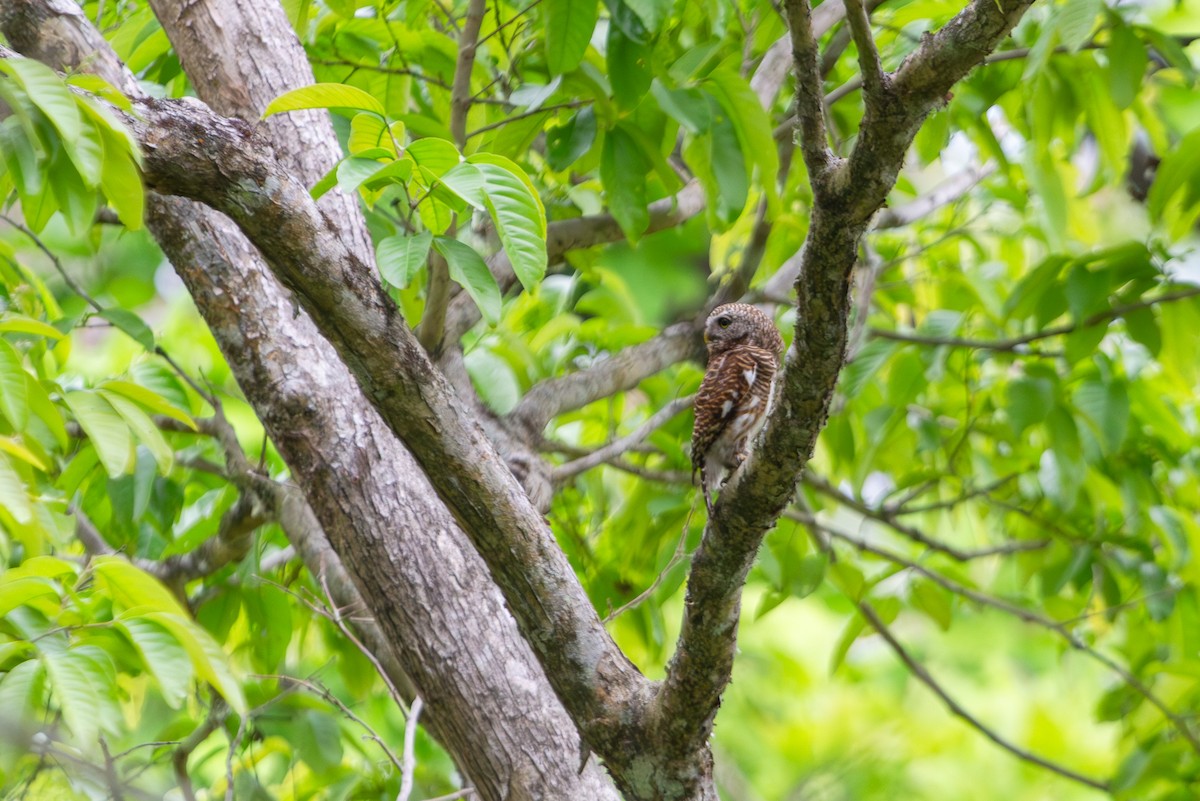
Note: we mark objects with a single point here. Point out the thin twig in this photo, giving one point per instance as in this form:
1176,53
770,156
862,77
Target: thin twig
1016,344
531,112
870,68
58,265
410,739
460,92
918,670
676,558
1019,612
619,446
916,535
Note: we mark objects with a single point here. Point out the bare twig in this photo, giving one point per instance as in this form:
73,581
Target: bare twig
410,739
619,446
676,558
910,532
1019,612
1017,344
460,93
873,76
918,670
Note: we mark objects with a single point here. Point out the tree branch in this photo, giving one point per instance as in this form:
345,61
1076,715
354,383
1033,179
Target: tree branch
846,195
460,92
1017,344
1019,612
619,446
918,670
873,77
810,114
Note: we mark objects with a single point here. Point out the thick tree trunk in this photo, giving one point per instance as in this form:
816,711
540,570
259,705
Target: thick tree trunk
488,701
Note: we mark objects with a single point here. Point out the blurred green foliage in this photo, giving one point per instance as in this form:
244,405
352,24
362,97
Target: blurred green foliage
1020,392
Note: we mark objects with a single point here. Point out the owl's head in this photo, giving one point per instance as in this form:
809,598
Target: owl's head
736,325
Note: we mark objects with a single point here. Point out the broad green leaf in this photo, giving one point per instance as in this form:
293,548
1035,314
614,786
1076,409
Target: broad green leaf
436,155
149,399
401,257
1179,170
14,448
79,687
1127,62
163,656
369,131
131,324
689,107
132,588
1029,401
1076,20
208,660
623,171
27,325
121,183
144,429
569,26
106,430
652,13
14,394
49,93
20,590
753,126
324,95
565,144
520,222
628,67
22,690
469,270
467,182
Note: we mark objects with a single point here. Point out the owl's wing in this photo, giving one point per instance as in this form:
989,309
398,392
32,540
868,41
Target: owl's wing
729,380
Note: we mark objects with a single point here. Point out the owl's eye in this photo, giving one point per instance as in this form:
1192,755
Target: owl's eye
723,322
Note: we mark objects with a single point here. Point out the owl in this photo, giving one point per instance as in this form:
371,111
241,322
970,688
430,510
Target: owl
744,350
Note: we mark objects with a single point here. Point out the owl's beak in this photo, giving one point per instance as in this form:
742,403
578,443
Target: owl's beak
706,337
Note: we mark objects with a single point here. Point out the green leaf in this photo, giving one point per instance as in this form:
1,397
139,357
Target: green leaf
131,324
20,590
79,687
14,394
1179,170
144,429
208,660
520,222
27,325
1142,328
852,632
753,126
934,601
689,107
569,26
623,172
652,13
1075,22
716,159
14,448
565,144
369,131
132,588
1029,401
48,92
1127,62
467,183
106,430
436,155
628,67
150,400
401,257
166,660
469,270
324,95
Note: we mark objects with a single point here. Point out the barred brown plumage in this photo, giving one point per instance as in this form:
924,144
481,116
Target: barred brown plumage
744,349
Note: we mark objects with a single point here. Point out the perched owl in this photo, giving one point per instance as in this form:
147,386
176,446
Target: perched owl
744,349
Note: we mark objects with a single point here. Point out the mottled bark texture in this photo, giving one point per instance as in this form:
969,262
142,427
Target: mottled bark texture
438,613
653,737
